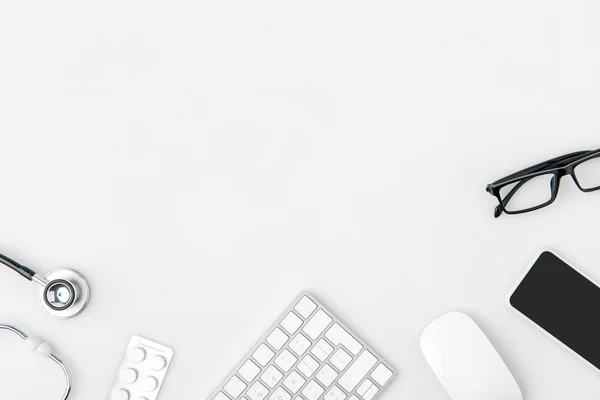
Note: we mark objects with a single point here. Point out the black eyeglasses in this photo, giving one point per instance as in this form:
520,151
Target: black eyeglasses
536,187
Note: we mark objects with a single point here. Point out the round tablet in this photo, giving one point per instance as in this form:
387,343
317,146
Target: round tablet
159,363
137,354
120,394
129,375
150,384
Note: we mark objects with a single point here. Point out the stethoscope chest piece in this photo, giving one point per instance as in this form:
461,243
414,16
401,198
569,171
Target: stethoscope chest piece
64,293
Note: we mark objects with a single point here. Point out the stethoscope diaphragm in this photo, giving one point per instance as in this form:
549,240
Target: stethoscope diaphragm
64,293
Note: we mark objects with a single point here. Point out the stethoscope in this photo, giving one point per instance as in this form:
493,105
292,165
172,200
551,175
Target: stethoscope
64,293
43,349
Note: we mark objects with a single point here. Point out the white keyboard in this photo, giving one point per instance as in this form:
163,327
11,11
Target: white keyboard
308,354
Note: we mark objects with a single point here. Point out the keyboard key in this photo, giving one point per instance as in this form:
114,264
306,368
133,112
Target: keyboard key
357,371
327,375
371,393
338,335
221,396
294,382
364,387
280,394
322,350
258,391
308,354
317,324
285,360
299,344
305,307
263,355
312,391
381,374
308,366
249,370
235,387
271,376
277,339
335,393
291,323
340,359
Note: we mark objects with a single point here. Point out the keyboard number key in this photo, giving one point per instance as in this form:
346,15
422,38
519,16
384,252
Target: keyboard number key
317,324
313,391
335,394
308,366
305,307
263,355
340,359
294,382
280,394
291,323
327,375
271,376
299,344
258,391
249,370
277,339
285,360
322,350
235,387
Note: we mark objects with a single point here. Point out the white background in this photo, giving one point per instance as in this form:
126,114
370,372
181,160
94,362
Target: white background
202,162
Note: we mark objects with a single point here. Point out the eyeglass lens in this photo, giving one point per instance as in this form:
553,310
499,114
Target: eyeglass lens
528,193
588,173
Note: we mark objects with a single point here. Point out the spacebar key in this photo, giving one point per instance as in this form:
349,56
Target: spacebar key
357,371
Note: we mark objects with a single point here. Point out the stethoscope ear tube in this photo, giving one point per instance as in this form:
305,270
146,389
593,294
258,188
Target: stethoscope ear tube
43,349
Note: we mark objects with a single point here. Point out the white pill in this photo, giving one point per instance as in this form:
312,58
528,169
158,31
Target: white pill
142,398
159,363
137,354
150,384
120,394
129,375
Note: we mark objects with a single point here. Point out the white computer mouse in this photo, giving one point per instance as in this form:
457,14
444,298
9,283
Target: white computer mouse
465,361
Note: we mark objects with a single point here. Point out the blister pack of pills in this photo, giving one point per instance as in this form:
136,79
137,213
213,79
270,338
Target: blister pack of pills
142,371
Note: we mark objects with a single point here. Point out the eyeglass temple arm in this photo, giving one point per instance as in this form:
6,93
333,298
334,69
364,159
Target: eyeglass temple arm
544,165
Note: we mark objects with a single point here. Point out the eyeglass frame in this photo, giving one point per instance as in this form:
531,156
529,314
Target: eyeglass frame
559,167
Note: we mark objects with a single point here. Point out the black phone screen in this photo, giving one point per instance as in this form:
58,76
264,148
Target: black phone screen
564,303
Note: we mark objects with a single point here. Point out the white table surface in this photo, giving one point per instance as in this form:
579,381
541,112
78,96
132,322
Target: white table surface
202,162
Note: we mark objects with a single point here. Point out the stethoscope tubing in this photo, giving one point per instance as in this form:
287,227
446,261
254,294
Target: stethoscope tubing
24,336
22,270
64,292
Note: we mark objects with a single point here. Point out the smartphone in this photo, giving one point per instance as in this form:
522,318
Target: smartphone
563,302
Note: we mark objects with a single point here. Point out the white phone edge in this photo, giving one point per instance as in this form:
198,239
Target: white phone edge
531,322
